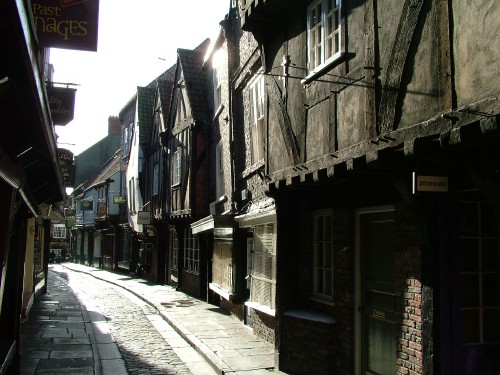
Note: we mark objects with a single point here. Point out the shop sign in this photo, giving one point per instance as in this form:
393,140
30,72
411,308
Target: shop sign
434,184
70,24
62,104
119,199
143,217
66,165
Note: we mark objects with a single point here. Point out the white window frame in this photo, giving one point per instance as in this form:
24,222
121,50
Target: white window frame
324,46
323,255
217,79
191,253
263,272
59,231
177,167
175,249
219,170
257,102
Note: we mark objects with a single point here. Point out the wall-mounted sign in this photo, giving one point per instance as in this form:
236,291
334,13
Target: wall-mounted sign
87,205
435,184
119,199
71,24
67,166
143,217
62,104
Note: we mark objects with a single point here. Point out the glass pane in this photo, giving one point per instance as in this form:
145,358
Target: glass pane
328,282
489,222
491,325
469,254
328,255
328,228
319,228
491,254
469,288
319,280
468,218
470,326
319,254
491,290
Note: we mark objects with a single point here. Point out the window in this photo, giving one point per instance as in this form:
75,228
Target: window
323,254
176,168
479,240
263,273
323,33
156,179
219,171
191,252
131,194
217,81
222,268
175,249
59,231
256,105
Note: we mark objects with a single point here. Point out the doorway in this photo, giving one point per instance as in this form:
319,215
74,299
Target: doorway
375,286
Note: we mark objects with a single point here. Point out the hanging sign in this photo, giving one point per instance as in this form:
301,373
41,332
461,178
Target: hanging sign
62,104
143,217
67,166
70,24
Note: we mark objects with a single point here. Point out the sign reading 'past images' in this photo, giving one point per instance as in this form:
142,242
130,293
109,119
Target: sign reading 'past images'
70,24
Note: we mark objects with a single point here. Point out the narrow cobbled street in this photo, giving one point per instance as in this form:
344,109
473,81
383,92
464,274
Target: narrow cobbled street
144,340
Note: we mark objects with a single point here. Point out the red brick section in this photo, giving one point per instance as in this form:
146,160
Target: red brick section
411,236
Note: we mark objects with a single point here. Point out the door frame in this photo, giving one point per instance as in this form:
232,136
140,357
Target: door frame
358,350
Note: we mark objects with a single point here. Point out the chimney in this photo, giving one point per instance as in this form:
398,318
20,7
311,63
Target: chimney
114,125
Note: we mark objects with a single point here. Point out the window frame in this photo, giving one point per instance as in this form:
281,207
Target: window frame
320,42
59,231
260,257
174,260
191,253
321,270
256,119
177,167
156,179
219,170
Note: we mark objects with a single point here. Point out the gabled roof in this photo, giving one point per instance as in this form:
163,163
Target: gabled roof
191,63
108,169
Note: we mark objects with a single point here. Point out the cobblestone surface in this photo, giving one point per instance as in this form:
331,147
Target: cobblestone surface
143,349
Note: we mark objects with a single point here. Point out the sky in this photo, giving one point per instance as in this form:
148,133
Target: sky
138,40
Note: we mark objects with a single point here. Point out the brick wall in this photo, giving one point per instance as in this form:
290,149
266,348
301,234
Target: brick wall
264,325
308,347
411,237
237,310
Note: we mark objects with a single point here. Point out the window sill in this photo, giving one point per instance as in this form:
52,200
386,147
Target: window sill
264,309
310,315
221,292
322,301
321,70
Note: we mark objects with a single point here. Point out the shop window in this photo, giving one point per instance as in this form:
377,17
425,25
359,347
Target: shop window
191,253
479,239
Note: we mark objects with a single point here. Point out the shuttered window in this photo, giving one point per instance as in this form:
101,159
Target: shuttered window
263,273
222,268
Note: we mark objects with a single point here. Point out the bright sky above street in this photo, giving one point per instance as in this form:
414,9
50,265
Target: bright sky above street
138,40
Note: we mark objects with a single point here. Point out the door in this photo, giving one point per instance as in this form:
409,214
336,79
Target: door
376,231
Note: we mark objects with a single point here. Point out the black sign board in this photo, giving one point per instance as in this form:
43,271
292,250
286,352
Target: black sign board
62,104
67,166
